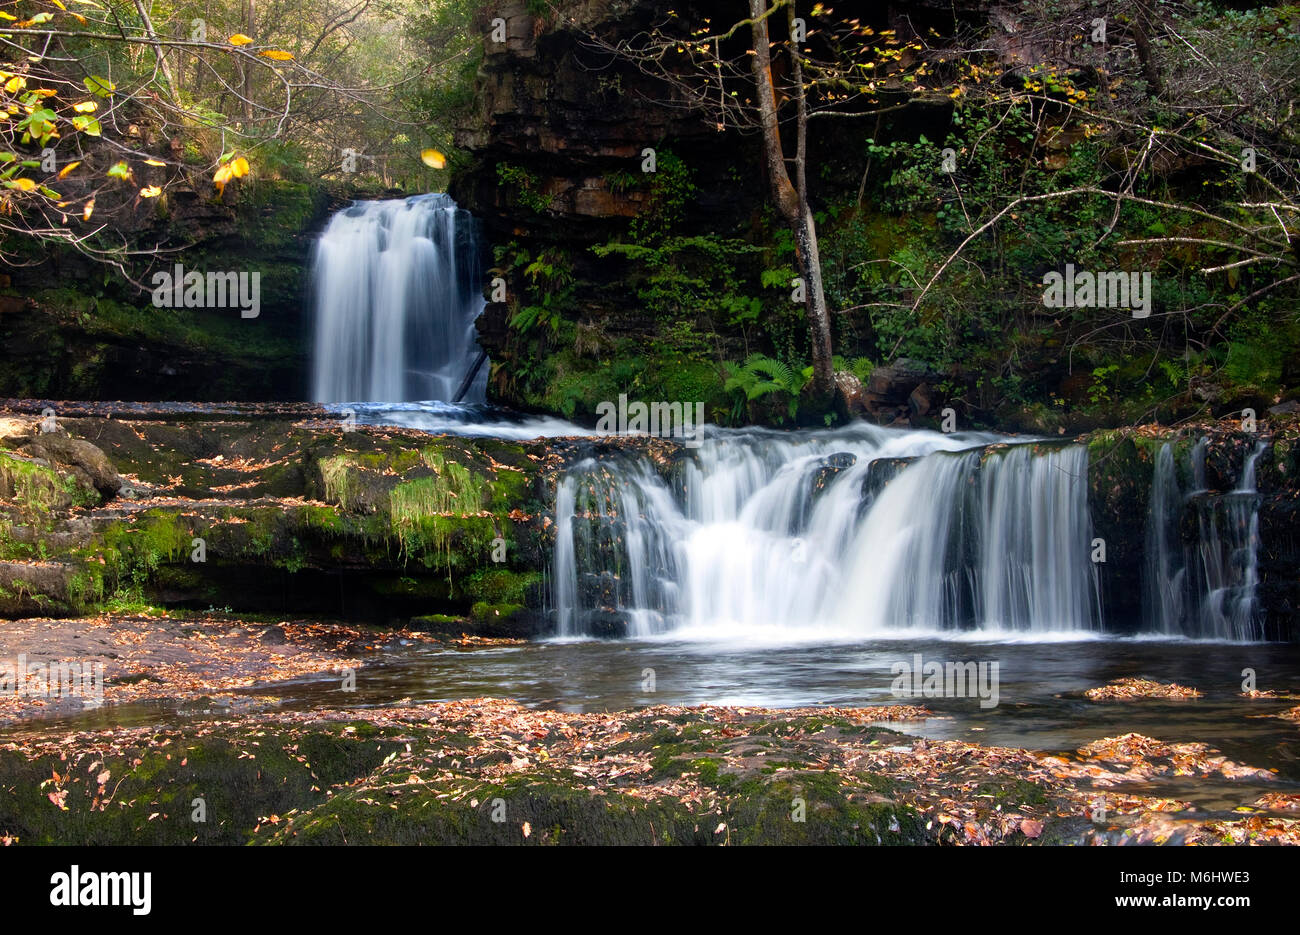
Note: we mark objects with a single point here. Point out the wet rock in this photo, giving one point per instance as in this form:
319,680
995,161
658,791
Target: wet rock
600,589
605,624
831,467
850,397
881,472
921,400
893,384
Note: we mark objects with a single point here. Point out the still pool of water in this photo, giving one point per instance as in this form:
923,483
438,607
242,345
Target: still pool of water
1040,686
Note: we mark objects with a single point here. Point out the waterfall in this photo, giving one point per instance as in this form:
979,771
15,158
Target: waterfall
860,531
395,291
1163,604
1204,586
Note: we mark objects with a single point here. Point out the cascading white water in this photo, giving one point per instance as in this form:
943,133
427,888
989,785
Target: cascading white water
1203,588
1224,562
395,290
1164,573
858,531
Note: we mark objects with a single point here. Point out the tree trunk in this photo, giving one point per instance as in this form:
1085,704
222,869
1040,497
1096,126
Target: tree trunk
819,319
792,202
159,55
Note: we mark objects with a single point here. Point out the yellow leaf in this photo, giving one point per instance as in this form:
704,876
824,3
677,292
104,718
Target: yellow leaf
154,162
85,107
68,168
151,191
15,84
87,211
23,185
221,177
277,55
8,16
80,19
239,167
433,159
239,39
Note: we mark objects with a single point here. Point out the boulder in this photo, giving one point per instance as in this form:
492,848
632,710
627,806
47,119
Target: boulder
893,384
921,400
85,460
850,396
14,431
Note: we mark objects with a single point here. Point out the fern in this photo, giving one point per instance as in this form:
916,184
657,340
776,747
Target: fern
761,376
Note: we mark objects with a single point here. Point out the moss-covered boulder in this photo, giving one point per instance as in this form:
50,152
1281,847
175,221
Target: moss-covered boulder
275,514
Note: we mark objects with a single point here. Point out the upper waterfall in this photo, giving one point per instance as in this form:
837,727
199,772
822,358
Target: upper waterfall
395,291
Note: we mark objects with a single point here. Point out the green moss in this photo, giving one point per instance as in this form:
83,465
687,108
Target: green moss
213,331
814,807
323,518
336,475
134,549
483,612
1013,792
452,490
500,585
38,488
554,804
151,791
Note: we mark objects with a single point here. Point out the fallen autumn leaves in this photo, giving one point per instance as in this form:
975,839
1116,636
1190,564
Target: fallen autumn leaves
439,773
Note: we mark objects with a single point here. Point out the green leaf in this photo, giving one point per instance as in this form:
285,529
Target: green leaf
98,86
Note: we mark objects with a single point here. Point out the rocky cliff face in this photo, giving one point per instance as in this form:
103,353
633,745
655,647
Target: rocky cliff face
558,144
550,99
558,141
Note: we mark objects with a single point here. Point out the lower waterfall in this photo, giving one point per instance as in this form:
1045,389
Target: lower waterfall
861,531
1202,552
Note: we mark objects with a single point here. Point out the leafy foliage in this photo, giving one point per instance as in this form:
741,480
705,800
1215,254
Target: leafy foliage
762,376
